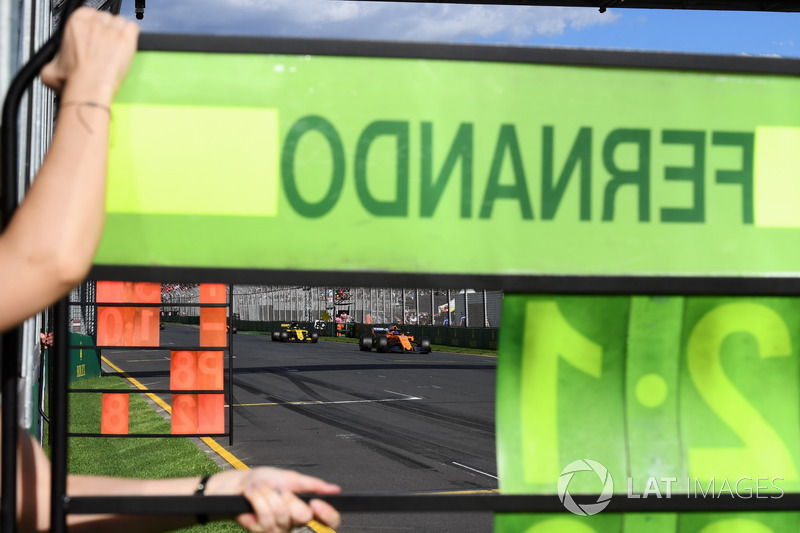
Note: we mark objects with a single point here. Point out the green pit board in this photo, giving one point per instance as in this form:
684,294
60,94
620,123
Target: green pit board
434,160
671,395
536,171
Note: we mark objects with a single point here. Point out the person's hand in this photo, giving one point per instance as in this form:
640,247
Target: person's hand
271,492
46,339
96,51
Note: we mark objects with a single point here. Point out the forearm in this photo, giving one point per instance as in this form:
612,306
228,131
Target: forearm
49,244
33,497
75,172
270,492
52,239
105,486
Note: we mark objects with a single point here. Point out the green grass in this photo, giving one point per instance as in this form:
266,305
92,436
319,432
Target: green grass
131,457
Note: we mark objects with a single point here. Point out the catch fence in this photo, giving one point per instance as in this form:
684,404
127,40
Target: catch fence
408,306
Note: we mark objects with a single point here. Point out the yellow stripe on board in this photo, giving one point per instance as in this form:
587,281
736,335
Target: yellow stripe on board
775,177
250,134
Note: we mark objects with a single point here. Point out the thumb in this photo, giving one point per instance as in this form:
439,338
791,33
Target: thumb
52,76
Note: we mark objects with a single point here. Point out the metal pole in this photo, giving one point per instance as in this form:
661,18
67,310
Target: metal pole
466,309
230,365
403,302
416,300
449,318
433,309
485,313
10,370
59,410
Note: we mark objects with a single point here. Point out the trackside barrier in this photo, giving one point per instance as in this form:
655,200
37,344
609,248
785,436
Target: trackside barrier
480,338
190,320
646,303
84,363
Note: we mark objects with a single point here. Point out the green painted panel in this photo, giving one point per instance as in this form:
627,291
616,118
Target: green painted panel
678,395
243,160
83,363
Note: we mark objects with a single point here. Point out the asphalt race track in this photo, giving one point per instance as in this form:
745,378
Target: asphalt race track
376,423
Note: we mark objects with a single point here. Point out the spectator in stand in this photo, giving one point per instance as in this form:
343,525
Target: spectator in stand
40,262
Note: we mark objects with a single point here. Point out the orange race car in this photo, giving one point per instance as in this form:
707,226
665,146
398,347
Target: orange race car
393,340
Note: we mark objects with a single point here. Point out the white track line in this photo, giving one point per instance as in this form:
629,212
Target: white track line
474,470
318,402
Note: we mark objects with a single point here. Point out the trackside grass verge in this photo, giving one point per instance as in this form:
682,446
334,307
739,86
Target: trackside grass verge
132,457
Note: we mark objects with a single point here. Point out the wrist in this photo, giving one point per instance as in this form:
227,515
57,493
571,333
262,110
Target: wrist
200,490
80,88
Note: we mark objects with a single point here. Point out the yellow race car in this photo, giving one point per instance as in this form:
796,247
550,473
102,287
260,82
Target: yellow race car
293,332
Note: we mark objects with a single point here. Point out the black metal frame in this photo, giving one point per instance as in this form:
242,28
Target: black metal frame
228,391
416,502
602,5
62,504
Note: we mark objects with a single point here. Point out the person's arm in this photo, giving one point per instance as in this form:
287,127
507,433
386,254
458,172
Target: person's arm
270,491
49,244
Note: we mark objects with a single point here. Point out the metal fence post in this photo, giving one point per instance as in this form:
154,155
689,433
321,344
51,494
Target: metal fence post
465,310
485,320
